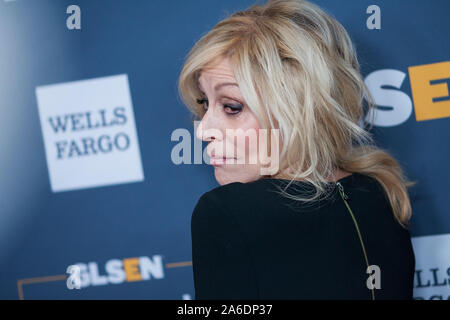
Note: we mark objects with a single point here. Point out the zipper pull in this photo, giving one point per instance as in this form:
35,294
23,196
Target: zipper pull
341,190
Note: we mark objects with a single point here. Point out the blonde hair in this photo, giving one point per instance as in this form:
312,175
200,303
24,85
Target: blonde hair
297,69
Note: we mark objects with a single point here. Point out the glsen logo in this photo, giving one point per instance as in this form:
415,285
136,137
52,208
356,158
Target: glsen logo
117,271
429,87
89,133
432,274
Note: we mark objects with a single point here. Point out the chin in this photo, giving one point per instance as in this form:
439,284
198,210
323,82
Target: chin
223,177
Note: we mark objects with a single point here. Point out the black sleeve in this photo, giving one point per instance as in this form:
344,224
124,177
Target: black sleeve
222,266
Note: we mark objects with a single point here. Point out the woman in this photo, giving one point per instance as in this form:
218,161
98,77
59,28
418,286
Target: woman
331,222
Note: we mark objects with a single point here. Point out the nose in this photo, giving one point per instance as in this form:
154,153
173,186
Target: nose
208,129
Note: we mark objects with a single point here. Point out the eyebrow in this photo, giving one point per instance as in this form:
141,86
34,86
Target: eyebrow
220,85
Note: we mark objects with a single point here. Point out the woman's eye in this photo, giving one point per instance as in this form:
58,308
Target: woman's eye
232,109
229,108
202,102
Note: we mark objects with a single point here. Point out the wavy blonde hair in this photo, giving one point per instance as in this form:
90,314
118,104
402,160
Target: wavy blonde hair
297,69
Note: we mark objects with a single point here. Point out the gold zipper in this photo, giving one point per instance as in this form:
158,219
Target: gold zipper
345,198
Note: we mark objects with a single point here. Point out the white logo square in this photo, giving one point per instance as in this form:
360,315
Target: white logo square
89,133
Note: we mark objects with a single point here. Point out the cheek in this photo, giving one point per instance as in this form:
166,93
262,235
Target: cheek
247,138
251,139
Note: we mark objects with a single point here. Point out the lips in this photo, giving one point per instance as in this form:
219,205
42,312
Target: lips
220,160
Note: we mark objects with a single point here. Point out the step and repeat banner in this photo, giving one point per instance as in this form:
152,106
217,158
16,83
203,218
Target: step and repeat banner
91,122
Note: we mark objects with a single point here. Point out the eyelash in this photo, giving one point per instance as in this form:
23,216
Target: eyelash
236,108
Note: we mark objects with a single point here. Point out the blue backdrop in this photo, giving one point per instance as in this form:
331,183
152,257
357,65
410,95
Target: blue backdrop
128,229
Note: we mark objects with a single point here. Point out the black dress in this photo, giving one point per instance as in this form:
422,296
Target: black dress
249,242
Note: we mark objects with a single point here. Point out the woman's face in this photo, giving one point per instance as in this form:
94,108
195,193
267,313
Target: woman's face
226,112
